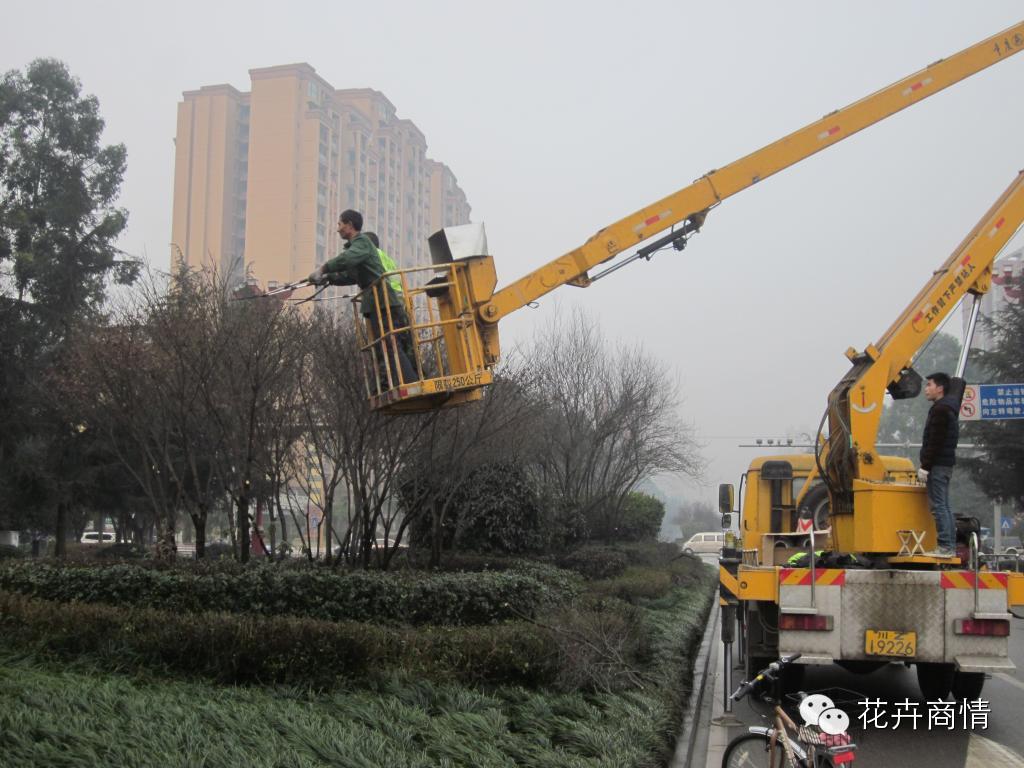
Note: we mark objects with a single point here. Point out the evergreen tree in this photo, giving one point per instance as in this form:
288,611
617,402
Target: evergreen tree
1000,469
58,226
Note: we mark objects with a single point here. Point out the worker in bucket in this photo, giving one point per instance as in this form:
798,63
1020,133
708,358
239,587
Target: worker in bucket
360,264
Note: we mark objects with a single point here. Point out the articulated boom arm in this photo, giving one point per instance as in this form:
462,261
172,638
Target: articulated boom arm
451,342
691,204
855,405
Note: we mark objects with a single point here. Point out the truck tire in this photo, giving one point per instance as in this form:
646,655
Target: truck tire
793,678
818,502
935,680
967,685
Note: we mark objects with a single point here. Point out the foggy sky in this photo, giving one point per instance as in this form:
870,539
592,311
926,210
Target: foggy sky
560,118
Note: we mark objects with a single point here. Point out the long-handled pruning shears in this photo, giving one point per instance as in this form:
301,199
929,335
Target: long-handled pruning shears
287,289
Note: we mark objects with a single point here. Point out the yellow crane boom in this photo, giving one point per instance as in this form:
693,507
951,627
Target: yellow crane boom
853,463
692,202
452,339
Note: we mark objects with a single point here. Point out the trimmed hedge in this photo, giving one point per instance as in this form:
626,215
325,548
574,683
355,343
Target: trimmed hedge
444,598
637,583
230,648
596,562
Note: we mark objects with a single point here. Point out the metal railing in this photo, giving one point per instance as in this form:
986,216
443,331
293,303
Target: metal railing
425,335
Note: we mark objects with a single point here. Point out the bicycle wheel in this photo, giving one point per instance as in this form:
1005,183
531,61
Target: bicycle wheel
751,750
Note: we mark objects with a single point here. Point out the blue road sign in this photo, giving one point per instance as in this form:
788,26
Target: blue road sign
1006,524
992,402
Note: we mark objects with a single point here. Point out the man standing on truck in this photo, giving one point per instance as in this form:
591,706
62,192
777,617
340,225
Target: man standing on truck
360,264
938,455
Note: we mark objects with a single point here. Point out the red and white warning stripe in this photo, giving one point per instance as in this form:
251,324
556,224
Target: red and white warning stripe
998,225
830,132
917,86
651,220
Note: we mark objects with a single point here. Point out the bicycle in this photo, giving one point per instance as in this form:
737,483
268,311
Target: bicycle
801,747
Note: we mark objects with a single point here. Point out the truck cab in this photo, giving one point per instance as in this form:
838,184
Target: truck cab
784,499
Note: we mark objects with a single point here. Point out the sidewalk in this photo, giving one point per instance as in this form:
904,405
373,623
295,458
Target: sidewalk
717,735
693,740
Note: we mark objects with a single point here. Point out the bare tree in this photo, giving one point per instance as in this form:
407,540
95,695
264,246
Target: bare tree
349,446
258,362
117,389
179,317
610,420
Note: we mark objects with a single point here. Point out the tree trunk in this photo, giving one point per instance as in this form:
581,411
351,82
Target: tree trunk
242,524
60,547
166,547
327,525
199,524
284,522
435,535
272,524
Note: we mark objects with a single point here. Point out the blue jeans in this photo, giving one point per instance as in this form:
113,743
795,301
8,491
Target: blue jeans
938,500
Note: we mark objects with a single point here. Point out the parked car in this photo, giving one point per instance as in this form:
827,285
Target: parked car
706,542
1011,545
1010,555
98,537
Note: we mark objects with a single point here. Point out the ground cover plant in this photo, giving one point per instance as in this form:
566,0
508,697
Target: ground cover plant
68,702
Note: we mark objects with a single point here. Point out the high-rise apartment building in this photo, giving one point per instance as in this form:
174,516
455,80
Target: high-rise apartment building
260,177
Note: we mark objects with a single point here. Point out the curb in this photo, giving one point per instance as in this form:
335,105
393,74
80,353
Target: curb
686,744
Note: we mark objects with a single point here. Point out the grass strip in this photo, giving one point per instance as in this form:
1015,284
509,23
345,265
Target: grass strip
80,714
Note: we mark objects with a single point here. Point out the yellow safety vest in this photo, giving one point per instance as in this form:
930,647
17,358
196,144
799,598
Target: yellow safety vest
389,266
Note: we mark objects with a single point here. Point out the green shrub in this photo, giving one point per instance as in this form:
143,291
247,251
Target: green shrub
444,598
10,552
688,572
120,551
603,645
495,510
218,550
636,583
249,649
519,653
640,517
650,553
596,562
562,585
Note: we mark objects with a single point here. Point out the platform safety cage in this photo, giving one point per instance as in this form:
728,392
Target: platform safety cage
430,358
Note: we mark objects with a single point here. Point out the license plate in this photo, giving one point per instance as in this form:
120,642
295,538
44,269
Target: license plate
882,642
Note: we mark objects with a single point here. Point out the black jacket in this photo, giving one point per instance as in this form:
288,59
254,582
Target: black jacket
941,432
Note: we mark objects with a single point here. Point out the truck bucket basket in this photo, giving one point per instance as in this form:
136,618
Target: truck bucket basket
430,355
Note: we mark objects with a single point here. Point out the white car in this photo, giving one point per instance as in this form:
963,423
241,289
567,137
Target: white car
98,537
708,542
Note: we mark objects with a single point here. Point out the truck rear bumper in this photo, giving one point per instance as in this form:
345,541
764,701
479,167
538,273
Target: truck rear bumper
925,603
984,664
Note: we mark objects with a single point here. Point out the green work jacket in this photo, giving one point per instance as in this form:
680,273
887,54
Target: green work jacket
360,264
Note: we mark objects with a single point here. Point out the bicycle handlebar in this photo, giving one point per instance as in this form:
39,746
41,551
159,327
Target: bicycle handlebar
768,673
